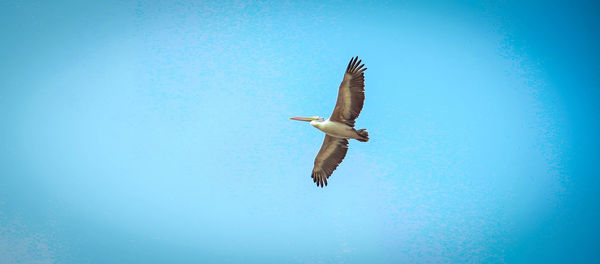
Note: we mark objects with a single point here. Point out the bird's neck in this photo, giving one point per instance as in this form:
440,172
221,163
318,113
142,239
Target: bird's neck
318,123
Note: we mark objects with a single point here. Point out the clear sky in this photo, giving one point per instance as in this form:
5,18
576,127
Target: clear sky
158,132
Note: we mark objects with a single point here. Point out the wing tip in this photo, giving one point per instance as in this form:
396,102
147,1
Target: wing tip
355,66
320,178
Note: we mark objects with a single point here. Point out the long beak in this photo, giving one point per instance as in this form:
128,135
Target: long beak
307,119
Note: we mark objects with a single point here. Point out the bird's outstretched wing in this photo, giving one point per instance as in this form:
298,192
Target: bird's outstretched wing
351,94
330,156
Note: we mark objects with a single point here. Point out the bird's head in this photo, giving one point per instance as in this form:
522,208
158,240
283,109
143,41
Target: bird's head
308,119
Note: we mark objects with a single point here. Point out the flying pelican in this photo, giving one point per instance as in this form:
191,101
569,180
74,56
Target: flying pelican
340,126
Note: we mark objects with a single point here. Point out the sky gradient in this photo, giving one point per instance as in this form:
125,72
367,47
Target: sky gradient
158,132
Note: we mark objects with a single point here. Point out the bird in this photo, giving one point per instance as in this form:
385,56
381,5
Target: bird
339,127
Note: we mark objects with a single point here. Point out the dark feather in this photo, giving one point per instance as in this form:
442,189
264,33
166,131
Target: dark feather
351,94
330,155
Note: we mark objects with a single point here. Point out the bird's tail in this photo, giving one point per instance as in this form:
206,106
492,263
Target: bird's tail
364,135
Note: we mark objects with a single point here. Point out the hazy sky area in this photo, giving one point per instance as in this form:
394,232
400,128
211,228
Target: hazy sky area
159,132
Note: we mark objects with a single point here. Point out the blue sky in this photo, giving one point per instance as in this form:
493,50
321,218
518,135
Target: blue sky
158,132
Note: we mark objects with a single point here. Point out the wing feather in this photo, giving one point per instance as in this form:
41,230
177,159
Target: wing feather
351,94
330,155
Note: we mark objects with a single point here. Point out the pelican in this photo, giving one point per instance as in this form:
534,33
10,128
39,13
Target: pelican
340,126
